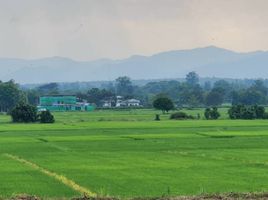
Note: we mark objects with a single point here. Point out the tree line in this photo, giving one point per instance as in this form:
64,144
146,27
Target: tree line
187,93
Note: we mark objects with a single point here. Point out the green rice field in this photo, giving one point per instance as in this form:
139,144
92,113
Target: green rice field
128,154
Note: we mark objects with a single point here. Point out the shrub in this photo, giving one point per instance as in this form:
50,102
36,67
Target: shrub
46,117
265,115
212,113
180,116
260,111
247,112
207,113
24,113
157,117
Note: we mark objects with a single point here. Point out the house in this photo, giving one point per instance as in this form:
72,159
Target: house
133,102
120,102
107,104
63,103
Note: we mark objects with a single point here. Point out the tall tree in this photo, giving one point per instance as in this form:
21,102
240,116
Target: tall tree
124,86
10,96
192,78
215,97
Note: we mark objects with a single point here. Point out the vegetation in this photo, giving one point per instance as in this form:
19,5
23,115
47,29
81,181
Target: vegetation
46,117
24,113
164,104
180,116
10,96
189,92
99,152
247,112
212,113
104,150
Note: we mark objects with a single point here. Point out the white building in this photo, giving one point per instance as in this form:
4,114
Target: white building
120,102
133,102
107,104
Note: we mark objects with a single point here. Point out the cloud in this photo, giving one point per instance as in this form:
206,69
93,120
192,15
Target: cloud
91,29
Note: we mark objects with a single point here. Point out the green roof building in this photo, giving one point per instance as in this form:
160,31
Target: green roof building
63,103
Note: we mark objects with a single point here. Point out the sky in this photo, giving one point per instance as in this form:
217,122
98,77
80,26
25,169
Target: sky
93,29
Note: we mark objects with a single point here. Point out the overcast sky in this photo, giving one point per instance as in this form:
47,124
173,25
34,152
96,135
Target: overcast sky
92,29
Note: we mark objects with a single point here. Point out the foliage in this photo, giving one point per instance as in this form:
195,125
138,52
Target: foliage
46,117
214,97
191,95
24,113
10,96
180,116
212,113
49,89
33,97
192,78
164,104
256,94
124,86
97,96
157,117
247,112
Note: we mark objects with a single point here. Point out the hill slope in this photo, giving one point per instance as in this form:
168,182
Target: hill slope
208,61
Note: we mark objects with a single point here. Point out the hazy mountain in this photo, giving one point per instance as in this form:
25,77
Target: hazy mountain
208,61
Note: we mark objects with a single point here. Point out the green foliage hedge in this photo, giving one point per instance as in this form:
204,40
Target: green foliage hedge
180,116
247,112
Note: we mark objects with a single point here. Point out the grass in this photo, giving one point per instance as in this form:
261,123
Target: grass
128,154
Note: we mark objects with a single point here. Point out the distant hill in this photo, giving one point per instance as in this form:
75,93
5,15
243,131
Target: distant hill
208,62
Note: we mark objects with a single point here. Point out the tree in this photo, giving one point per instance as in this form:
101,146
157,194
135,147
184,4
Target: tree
24,113
191,95
33,97
260,112
48,89
164,104
259,86
207,86
214,97
96,95
224,88
247,112
192,78
46,117
251,97
124,86
10,95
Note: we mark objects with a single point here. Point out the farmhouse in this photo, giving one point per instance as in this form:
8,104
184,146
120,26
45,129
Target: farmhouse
63,103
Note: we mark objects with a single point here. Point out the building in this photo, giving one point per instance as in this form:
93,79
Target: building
63,103
133,102
120,102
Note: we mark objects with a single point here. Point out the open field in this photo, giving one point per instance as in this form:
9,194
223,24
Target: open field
127,154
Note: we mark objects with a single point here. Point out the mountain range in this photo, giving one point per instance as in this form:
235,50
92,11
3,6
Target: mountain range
209,61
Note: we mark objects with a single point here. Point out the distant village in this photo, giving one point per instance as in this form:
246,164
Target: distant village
72,103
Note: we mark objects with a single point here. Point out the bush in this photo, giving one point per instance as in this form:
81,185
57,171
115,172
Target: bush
46,117
247,112
157,117
212,113
180,116
24,113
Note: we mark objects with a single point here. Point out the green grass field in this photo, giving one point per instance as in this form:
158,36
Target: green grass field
128,154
